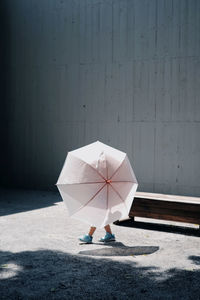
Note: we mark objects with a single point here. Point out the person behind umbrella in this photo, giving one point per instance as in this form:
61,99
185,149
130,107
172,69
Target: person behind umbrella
87,238
98,185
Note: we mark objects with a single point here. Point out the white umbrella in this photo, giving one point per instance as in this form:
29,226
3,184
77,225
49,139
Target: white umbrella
97,184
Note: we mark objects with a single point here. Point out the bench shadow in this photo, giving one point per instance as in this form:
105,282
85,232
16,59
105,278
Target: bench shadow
195,259
119,249
159,227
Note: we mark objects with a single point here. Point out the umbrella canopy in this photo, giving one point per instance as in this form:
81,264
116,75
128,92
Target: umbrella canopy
97,184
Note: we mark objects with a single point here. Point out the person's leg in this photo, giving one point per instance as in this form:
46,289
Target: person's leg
92,230
87,238
108,229
109,236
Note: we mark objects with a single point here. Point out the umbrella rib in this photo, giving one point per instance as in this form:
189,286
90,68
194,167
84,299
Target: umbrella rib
122,181
118,167
107,197
93,168
91,198
106,169
90,182
97,172
93,182
119,197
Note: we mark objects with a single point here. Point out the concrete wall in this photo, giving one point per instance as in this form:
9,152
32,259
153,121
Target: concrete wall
125,72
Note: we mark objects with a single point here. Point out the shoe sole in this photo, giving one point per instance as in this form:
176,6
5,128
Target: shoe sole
85,242
112,240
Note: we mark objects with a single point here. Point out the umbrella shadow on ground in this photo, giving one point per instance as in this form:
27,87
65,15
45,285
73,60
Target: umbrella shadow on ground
119,249
159,227
47,274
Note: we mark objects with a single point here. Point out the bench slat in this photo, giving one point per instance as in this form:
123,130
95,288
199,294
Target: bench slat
166,197
165,217
174,206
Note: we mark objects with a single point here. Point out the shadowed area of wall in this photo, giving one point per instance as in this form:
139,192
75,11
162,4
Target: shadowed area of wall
122,72
5,150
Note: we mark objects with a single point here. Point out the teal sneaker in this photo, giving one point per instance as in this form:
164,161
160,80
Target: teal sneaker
108,237
86,239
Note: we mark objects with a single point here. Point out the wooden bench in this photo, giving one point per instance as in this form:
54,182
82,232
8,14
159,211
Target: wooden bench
166,207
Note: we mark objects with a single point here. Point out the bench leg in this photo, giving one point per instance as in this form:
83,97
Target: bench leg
116,222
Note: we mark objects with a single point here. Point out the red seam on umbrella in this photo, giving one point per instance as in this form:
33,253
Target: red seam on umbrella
90,199
119,197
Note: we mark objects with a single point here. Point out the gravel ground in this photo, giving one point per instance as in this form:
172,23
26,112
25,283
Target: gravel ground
41,257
